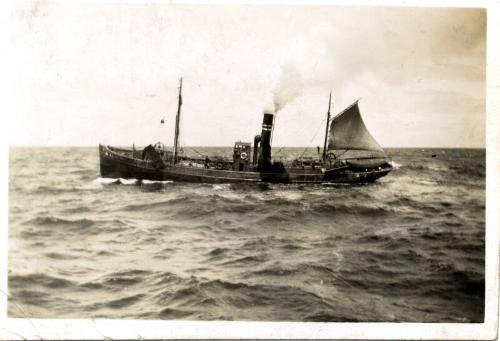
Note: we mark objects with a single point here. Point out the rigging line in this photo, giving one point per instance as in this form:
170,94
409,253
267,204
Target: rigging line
279,150
315,134
197,152
304,128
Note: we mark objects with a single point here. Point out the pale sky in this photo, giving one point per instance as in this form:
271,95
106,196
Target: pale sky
108,73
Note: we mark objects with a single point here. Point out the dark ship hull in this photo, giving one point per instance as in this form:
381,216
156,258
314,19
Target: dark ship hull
121,163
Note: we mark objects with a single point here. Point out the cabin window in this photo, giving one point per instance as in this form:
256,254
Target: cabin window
241,167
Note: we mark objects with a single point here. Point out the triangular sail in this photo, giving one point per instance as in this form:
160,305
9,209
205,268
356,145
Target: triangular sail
348,132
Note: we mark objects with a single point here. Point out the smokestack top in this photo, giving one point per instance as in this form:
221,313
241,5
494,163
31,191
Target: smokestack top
267,122
265,142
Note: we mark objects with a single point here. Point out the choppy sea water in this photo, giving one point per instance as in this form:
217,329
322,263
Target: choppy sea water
407,248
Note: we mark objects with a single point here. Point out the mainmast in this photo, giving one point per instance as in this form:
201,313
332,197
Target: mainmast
327,126
177,119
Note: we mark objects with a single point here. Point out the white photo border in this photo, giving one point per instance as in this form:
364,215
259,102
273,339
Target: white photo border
86,329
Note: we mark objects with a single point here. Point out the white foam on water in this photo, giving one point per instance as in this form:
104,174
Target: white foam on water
395,165
219,187
147,182
128,181
104,181
435,167
426,182
292,196
122,181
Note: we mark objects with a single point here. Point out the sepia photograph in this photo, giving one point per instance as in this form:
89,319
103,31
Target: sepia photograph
238,162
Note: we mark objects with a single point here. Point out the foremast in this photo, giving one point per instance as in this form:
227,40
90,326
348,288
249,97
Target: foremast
177,121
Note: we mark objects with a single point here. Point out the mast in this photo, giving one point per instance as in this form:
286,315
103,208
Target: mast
177,119
327,126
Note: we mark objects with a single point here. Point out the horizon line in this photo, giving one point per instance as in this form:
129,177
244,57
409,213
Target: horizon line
231,146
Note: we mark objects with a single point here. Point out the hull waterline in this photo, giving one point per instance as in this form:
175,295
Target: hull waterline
118,165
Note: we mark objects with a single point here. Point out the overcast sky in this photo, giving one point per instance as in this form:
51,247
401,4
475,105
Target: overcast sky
108,73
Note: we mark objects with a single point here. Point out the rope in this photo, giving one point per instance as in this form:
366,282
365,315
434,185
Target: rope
315,134
299,133
197,152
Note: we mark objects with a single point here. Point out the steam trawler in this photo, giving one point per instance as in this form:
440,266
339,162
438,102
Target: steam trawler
350,155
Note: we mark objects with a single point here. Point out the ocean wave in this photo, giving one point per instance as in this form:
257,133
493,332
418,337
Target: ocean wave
276,217
271,272
39,279
190,202
218,251
239,208
419,205
330,316
309,270
397,244
119,280
464,281
52,190
55,221
82,171
287,301
190,212
471,284
461,170
213,285
293,247
105,253
425,167
60,256
334,209
474,170
82,226
166,277
244,187
60,189
123,302
163,204
77,209
280,202
246,260
169,313
38,244
84,174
